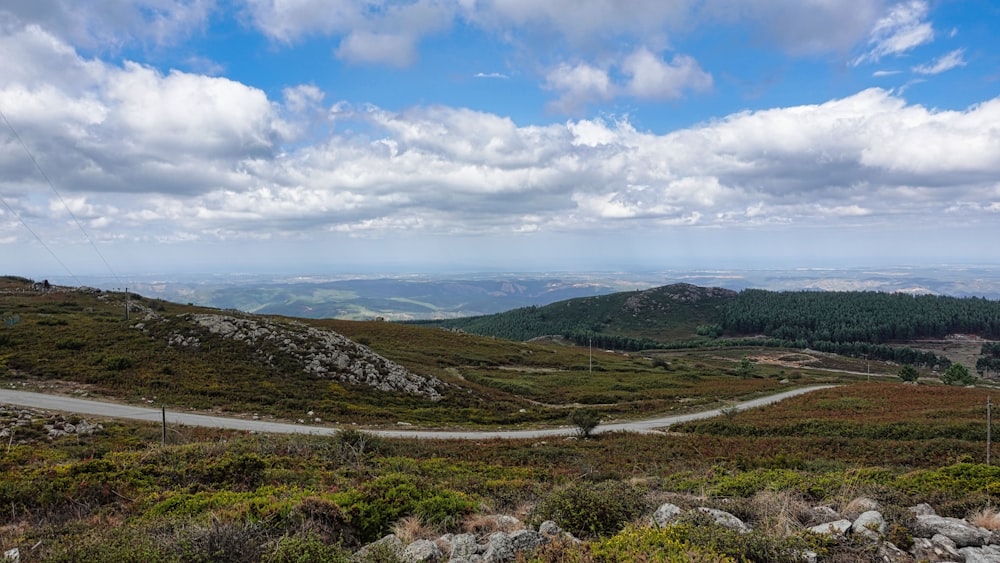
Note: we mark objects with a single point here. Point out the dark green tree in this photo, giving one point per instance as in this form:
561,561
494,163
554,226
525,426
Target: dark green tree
957,374
585,420
746,368
908,373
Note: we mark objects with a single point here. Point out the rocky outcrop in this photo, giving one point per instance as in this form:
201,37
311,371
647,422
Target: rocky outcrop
659,298
319,352
935,538
21,425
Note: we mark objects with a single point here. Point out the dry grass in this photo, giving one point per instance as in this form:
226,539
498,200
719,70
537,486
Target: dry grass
482,525
988,518
413,528
780,513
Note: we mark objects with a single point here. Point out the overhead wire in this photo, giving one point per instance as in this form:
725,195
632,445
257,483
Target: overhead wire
61,200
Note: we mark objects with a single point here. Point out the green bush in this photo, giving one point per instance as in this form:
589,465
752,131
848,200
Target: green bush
957,374
375,506
653,545
585,420
305,549
698,529
592,509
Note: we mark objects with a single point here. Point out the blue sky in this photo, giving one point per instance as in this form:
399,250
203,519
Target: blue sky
464,135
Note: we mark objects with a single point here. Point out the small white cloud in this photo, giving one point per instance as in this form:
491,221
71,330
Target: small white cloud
579,85
901,30
491,75
398,50
653,78
943,63
881,73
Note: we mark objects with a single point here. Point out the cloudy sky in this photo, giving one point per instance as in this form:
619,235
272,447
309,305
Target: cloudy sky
463,135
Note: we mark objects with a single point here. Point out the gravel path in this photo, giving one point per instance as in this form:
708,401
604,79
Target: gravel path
130,412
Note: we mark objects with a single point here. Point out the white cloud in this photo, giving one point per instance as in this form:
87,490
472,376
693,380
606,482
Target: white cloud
369,32
902,29
111,24
881,73
943,63
643,75
146,155
491,75
801,27
651,77
578,85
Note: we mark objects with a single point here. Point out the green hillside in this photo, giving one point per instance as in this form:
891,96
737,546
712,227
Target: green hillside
629,320
78,340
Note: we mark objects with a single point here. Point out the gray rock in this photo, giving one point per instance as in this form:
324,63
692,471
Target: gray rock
549,528
923,509
421,551
924,549
527,540
835,528
666,514
959,531
889,553
870,524
499,548
986,554
725,519
463,546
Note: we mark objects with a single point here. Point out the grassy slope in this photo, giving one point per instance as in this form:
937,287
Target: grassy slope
83,338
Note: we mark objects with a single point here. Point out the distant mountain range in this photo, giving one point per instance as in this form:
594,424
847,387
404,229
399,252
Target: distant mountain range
420,297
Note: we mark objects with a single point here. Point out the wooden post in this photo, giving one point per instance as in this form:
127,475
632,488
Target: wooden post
989,428
164,437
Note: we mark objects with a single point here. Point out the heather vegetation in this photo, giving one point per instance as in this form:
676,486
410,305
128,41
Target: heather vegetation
120,494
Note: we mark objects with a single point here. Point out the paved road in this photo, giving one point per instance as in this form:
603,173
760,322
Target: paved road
115,410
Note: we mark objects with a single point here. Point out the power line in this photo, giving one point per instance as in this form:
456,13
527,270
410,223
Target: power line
39,239
61,200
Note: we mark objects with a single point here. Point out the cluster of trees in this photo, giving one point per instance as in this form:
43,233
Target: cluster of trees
872,317
989,359
611,341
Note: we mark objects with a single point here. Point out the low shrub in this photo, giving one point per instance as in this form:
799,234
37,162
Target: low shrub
375,506
653,545
305,549
592,509
698,529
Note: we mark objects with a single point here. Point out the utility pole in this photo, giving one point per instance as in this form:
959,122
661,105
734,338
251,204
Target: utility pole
163,409
590,348
126,303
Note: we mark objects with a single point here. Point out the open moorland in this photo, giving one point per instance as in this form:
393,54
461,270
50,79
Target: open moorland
85,489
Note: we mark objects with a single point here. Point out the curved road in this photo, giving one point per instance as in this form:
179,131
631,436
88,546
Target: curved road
115,410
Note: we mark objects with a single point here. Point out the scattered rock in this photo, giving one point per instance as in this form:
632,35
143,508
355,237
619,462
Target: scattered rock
835,528
959,531
870,524
319,352
421,551
666,514
726,520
